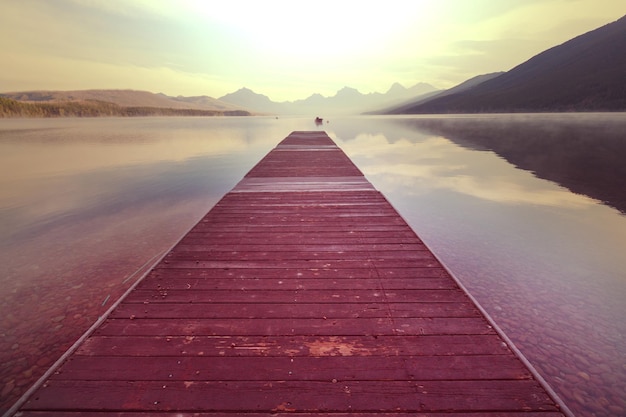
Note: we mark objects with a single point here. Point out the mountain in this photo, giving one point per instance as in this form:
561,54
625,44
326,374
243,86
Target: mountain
205,102
398,92
125,103
351,101
346,101
122,98
241,102
465,85
246,98
586,73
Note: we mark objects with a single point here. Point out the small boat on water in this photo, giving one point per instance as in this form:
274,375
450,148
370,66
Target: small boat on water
319,121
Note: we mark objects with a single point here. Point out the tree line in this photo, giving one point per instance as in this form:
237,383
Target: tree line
94,108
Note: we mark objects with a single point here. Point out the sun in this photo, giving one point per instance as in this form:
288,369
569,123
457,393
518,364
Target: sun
332,29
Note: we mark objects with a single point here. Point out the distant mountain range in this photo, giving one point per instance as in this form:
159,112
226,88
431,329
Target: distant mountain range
345,101
93,103
466,85
587,73
123,98
241,102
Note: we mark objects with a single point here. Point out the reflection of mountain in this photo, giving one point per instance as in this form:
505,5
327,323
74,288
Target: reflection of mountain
585,154
587,73
345,101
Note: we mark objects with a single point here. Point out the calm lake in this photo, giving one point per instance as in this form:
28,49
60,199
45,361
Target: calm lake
526,210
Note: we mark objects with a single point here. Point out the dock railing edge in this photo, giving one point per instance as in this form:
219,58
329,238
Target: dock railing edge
545,385
159,257
564,408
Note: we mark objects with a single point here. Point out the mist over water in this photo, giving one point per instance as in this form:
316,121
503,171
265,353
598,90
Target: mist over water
524,210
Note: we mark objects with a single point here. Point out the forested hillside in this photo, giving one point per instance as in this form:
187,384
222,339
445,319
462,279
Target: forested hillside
13,108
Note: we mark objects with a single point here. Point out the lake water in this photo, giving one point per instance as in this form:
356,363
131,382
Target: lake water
526,210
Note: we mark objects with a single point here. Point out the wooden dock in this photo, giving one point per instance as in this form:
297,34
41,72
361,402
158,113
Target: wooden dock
302,291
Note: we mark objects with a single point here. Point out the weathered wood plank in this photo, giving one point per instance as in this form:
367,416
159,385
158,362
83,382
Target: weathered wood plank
369,326
290,310
228,283
387,275
36,413
293,346
280,254
301,227
313,238
306,396
339,368
302,264
338,218
295,296
352,248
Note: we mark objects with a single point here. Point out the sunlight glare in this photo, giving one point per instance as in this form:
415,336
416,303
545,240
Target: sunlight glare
331,28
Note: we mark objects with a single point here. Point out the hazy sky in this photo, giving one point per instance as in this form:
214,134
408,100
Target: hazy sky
284,49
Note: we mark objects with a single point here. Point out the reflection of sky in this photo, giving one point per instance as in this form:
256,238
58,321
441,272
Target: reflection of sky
437,163
63,170
77,147
495,205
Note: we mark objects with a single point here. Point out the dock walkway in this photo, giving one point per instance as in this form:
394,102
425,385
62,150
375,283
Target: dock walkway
302,291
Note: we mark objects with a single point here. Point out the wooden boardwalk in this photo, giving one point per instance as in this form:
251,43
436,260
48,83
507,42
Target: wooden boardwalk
302,291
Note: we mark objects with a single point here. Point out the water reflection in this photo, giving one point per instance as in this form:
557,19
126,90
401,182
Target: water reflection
582,152
438,161
546,263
